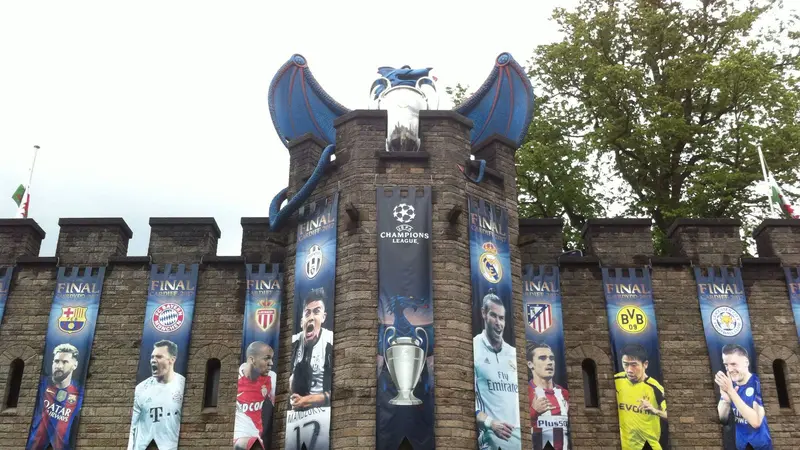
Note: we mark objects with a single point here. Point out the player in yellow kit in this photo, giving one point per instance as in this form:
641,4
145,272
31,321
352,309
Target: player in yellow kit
640,400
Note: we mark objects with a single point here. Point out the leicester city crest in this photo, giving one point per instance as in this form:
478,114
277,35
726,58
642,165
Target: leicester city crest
73,319
489,263
265,316
726,321
313,261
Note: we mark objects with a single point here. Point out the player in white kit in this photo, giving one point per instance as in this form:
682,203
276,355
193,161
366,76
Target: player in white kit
157,402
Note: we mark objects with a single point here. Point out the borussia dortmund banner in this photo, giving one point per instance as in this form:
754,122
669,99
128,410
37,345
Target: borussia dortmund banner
793,283
726,321
545,357
255,392
68,343
494,351
5,284
163,358
641,403
405,318
308,419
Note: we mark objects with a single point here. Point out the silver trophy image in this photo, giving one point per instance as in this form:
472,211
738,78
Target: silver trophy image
405,360
402,104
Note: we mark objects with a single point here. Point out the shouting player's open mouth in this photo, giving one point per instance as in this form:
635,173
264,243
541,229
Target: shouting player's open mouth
310,330
154,368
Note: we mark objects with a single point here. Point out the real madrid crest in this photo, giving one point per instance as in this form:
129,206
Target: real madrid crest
489,263
726,321
313,261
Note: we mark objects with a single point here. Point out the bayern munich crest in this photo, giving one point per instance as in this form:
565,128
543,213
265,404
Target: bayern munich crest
313,261
490,265
168,317
726,321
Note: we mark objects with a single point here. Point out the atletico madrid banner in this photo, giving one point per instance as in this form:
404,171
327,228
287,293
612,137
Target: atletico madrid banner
163,357
545,357
494,351
308,415
405,318
641,402
793,283
68,343
5,284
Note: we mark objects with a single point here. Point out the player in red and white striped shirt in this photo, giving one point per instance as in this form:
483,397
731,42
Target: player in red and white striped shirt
549,402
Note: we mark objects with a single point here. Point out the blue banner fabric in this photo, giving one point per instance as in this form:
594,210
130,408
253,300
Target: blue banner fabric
793,284
5,285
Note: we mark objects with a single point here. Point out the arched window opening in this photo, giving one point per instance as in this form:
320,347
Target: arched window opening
14,384
591,398
779,369
211,391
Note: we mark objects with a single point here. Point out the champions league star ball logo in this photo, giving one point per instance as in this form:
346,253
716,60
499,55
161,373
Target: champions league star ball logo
726,321
313,261
404,213
490,266
168,317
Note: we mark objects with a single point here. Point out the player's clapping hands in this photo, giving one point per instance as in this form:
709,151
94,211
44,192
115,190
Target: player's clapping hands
725,385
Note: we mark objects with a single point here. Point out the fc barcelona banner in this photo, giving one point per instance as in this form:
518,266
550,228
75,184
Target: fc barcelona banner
726,322
494,351
5,284
405,318
163,358
68,343
255,391
308,416
545,357
641,404
793,283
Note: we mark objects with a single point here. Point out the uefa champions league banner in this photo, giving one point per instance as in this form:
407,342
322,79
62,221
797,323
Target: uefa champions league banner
545,357
5,284
793,283
255,392
641,403
163,358
68,343
405,401
726,322
308,416
494,351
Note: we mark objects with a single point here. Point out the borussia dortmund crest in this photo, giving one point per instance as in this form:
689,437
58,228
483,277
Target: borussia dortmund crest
73,319
490,266
265,316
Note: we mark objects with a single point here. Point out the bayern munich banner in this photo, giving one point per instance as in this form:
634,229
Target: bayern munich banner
641,404
308,415
5,284
405,318
726,322
494,351
255,391
68,343
545,357
793,283
163,358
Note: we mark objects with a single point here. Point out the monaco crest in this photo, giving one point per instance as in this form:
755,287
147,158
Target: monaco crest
265,317
73,319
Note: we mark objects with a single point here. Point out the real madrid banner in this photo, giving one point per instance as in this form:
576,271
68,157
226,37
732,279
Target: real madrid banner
641,403
405,318
793,283
5,283
494,351
255,391
548,392
726,321
308,418
163,358
68,343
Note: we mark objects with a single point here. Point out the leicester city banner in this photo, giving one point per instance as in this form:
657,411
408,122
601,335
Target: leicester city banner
793,283
163,358
5,283
726,322
255,390
308,416
68,343
405,318
545,357
494,351
641,404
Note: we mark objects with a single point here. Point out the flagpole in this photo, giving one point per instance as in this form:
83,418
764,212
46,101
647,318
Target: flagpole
766,179
30,177
24,206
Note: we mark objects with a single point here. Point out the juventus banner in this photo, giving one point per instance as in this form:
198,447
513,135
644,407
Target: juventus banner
641,404
494,353
68,343
308,418
5,284
158,399
545,357
255,392
726,321
793,283
405,318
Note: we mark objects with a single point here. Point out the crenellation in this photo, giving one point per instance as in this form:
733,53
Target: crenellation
182,240
92,240
19,237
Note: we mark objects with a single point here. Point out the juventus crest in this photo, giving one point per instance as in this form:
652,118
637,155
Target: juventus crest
313,261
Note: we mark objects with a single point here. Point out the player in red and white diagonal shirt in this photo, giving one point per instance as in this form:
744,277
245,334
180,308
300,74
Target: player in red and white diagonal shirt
549,402
256,387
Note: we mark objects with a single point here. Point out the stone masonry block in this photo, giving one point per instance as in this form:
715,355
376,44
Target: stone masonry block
181,239
779,238
707,241
619,242
259,244
92,240
19,237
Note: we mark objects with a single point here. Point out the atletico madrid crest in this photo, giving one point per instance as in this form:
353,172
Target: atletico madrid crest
73,319
540,317
265,316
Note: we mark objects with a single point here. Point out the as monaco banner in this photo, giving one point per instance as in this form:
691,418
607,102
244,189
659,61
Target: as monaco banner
641,403
793,283
163,358
5,284
494,351
68,343
548,392
308,415
255,392
405,318
726,322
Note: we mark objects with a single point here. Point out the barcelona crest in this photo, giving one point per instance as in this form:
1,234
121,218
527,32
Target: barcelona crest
489,263
73,319
265,316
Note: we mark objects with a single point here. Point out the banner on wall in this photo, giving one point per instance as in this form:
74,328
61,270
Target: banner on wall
255,390
641,403
726,322
68,343
545,357
163,358
308,416
5,285
405,400
793,283
494,351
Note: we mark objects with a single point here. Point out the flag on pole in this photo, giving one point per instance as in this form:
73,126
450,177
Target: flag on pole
778,201
18,194
22,196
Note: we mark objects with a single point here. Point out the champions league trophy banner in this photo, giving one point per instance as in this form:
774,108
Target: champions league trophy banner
255,392
545,357
70,332
793,283
308,418
494,353
405,316
641,404
726,321
158,399
5,284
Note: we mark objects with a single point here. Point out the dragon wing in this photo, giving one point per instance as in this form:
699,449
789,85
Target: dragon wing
503,104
